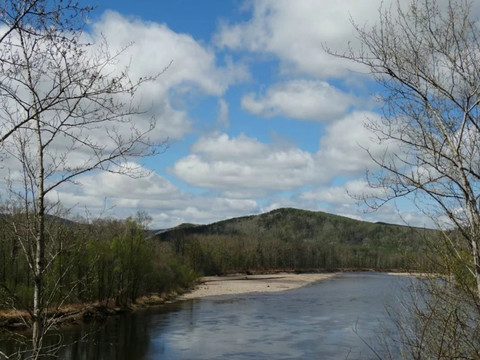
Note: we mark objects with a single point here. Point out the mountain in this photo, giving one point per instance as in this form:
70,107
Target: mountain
290,224
294,235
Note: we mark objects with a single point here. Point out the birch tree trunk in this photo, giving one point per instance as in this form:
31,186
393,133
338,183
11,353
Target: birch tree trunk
38,308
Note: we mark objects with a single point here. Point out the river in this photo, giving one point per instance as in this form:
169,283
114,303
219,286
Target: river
331,319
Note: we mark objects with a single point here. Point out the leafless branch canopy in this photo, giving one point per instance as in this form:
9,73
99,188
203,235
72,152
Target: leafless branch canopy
68,106
426,57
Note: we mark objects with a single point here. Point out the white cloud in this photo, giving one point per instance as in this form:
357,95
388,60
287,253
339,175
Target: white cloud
147,49
349,193
295,31
238,169
300,99
245,165
222,118
343,147
185,67
111,193
332,195
150,47
221,147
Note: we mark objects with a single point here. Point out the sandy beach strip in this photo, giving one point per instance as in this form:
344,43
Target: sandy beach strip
413,274
244,284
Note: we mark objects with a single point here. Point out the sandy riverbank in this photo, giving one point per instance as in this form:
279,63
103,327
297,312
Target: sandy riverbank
208,286
413,274
233,285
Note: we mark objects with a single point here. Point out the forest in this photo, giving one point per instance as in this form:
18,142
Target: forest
110,261
299,240
117,261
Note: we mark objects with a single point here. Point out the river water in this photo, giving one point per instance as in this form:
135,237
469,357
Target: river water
331,319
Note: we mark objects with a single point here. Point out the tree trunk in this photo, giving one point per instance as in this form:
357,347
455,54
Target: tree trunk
476,263
38,306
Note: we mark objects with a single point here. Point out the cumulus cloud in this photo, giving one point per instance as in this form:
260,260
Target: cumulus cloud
332,195
235,170
344,145
165,202
184,66
300,99
222,118
348,193
295,32
245,164
151,47
146,49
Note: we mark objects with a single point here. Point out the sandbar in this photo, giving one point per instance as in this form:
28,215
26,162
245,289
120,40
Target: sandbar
244,284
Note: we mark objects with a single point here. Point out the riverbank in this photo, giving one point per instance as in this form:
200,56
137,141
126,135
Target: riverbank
74,314
246,284
207,286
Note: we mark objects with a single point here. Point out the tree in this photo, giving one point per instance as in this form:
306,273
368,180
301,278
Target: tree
133,261
66,108
35,17
37,13
426,57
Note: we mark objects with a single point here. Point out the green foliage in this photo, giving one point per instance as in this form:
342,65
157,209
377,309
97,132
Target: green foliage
290,239
463,276
110,260
102,261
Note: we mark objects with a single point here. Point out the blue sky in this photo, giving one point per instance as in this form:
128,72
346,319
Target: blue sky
257,115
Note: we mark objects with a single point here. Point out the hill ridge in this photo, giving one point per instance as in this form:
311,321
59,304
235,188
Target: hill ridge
292,224
296,240
277,210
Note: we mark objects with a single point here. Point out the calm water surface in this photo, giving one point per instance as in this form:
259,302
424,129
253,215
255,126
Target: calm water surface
326,320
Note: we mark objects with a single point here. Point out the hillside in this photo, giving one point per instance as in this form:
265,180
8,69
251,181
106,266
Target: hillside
302,239
289,224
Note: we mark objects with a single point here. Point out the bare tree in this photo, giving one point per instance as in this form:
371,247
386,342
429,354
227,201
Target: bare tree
66,108
36,14
35,17
426,57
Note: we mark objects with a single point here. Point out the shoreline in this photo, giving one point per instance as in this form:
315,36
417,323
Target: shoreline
248,284
76,314
208,286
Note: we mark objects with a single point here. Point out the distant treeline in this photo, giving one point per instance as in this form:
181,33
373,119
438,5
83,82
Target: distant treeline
298,240
118,261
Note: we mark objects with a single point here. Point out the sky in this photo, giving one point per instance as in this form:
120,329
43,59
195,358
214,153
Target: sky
256,114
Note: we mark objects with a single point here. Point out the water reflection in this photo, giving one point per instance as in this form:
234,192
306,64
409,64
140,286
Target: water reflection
315,322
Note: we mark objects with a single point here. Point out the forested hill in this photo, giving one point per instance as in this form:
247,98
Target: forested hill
293,224
297,239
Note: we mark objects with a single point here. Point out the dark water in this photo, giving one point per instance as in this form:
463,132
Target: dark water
326,320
